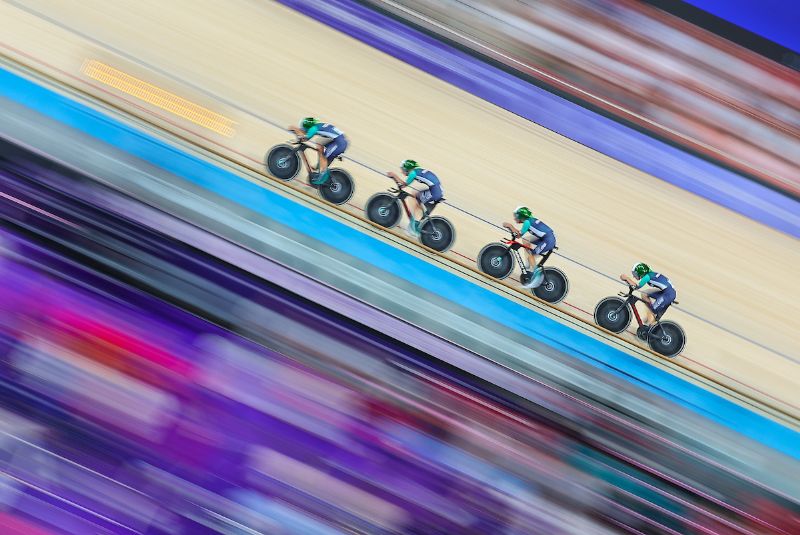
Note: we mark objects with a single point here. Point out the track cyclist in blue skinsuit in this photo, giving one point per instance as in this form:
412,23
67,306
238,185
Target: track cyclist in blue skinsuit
659,293
429,196
331,142
541,237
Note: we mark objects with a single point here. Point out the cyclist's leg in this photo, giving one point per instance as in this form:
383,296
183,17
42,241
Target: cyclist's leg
317,173
421,198
530,257
331,151
534,255
321,158
650,296
432,198
661,301
335,148
543,246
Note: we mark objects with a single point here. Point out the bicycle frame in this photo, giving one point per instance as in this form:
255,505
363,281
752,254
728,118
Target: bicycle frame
636,315
632,300
302,146
514,245
401,196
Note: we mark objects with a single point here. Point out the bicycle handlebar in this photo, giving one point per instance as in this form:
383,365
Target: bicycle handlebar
301,140
514,234
630,291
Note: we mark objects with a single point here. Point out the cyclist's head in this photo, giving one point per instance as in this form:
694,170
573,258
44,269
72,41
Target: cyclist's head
408,165
522,213
308,122
640,270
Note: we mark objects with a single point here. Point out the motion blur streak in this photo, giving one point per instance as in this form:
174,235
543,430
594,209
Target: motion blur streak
156,96
32,207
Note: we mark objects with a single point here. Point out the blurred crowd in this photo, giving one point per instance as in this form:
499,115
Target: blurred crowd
118,419
123,413
650,68
154,425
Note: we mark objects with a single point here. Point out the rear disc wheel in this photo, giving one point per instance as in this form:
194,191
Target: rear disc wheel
554,287
437,233
339,187
666,338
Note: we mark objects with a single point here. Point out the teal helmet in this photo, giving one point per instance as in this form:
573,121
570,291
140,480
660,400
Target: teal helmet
409,165
522,213
308,122
640,270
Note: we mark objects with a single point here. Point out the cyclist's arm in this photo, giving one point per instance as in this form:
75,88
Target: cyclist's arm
397,180
309,135
411,177
324,137
526,226
643,281
518,233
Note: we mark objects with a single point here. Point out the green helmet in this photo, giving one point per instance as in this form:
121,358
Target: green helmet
409,165
521,213
308,122
640,270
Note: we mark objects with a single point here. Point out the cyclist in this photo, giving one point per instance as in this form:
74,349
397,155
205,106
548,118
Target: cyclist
542,239
331,142
659,293
429,196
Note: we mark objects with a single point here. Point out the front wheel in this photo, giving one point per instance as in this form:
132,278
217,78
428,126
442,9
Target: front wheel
612,314
496,260
666,338
283,162
554,287
437,233
383,209
339,187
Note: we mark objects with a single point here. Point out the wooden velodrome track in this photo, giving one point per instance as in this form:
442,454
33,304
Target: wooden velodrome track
261,65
